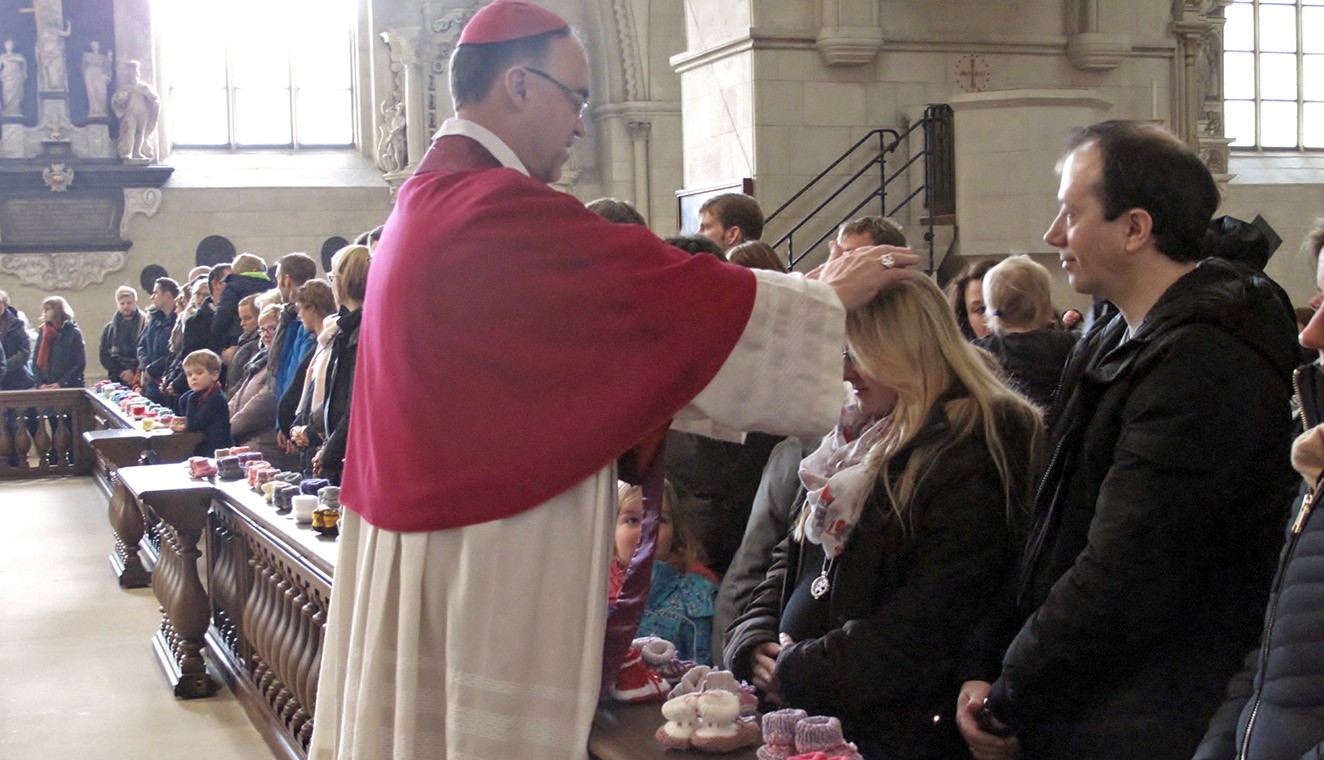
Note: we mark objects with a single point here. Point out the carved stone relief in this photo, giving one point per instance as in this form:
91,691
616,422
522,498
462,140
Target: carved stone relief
62,271
144,201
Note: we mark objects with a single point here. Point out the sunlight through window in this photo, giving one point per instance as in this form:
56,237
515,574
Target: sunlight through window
259,73
1273,74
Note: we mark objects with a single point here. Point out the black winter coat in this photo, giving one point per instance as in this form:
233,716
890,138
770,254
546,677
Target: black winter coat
1157,522
68,358
197,336
154,345
119,343
339,388
225,326
14,337
903,603
1275,706
1032,360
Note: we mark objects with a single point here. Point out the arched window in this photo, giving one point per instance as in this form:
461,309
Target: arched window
1273,74
258,73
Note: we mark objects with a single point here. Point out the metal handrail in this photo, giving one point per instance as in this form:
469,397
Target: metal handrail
879,158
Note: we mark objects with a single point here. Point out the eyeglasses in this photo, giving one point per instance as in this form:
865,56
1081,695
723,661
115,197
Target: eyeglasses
579,98
271,330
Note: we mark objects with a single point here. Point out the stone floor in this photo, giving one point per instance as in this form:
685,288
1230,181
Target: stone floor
77,673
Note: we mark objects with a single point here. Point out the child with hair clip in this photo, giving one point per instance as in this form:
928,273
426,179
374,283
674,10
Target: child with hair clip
682,596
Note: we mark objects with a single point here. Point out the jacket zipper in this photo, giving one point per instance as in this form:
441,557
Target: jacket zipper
1300,399
1032,551
1297,526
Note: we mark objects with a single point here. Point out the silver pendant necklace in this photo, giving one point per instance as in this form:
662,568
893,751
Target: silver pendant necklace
821,585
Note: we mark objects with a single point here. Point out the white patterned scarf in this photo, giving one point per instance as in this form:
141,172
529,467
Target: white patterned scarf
837,479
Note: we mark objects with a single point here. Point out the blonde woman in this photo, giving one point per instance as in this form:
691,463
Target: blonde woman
349,278
910,527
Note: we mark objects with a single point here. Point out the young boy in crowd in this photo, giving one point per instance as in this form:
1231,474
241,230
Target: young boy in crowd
205,408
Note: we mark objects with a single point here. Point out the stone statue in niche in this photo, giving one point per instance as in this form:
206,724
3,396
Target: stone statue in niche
96,75
391,148
13,73
136,106
50,56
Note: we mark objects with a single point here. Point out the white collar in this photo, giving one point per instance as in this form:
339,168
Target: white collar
486,138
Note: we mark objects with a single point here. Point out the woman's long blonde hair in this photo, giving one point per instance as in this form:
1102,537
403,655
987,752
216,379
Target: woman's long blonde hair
907,337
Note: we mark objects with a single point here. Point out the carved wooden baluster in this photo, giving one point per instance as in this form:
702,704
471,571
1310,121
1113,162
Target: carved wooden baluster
275,594
64,441
127,521
308,635
43,440
169,584
161,584
268,624
298,643
280,649
192,613
243,591
219,546
315,670
22,440
234,600
252,607
6,440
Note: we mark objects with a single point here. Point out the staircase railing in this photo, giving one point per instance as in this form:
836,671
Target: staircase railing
938,186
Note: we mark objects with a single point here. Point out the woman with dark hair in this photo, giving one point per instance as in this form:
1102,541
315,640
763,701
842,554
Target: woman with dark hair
61,354
911,526
966,294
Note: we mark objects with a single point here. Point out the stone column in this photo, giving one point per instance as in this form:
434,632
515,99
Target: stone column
411,85
639,132
1092,48
850,32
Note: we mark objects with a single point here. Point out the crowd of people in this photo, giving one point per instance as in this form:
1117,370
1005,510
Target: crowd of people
281,348
963,523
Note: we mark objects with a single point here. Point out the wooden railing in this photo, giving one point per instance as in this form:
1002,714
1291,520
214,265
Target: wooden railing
41,433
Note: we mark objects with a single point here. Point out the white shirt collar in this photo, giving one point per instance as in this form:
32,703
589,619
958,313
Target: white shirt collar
486,138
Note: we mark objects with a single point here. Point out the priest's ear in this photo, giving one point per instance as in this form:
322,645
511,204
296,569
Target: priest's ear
514,85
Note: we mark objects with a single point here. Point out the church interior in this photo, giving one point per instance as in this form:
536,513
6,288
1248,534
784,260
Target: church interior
142,138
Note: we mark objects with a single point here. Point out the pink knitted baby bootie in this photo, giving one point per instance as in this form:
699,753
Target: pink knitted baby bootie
821,733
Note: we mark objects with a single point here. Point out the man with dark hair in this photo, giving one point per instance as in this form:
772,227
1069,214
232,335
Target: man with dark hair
616,211
870,230
731,219
696,244
292,341
1160,515
154,343
502,369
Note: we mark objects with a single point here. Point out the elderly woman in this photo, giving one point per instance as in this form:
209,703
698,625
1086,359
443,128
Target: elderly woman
61,354
253,404
349,277
910,526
